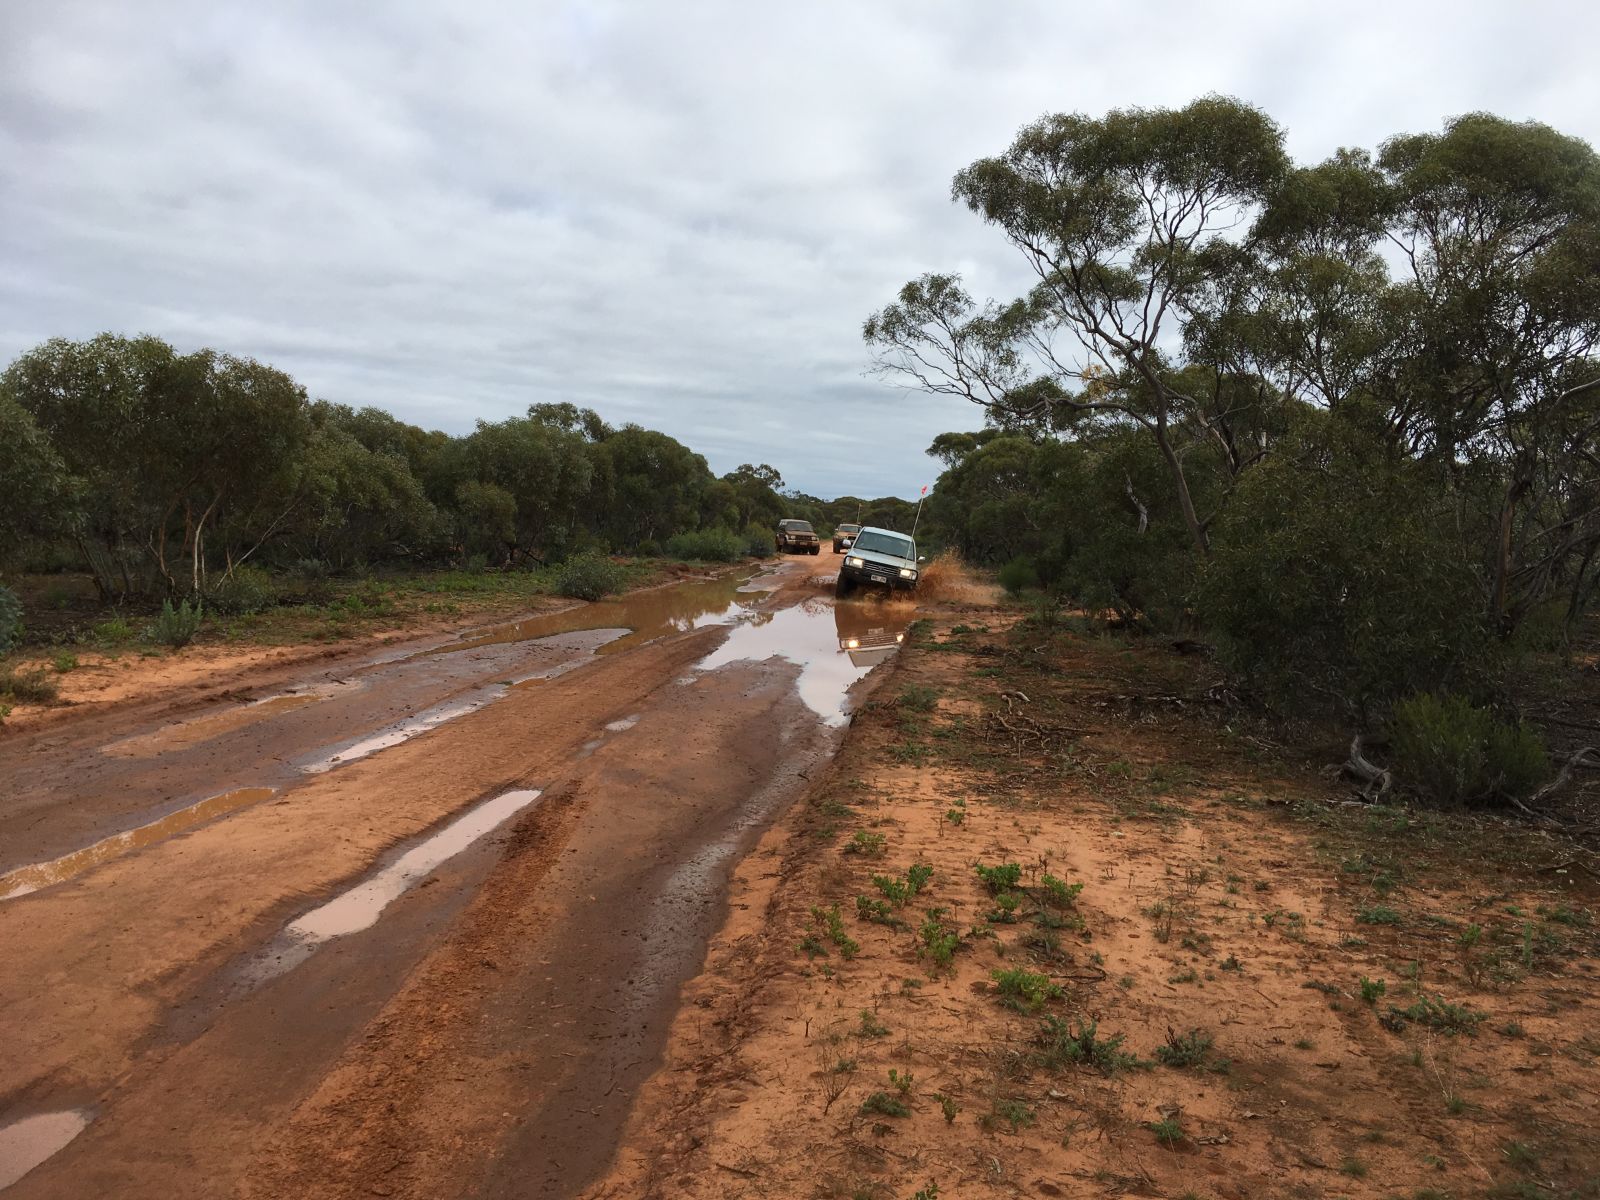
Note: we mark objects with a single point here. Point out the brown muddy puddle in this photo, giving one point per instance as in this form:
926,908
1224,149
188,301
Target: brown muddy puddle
35,876
359,907
29,1141
644,615
834,645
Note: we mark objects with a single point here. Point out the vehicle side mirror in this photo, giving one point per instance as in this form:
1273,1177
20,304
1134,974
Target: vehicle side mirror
923,559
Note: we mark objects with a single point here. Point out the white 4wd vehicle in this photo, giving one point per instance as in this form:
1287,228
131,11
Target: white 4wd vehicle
880,558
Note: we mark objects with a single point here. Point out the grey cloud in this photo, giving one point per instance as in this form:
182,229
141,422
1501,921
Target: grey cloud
677,214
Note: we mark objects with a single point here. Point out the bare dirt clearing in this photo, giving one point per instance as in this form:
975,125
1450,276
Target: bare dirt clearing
1257,991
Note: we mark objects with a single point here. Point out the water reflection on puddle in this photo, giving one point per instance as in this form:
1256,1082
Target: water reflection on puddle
31,878
26,1143
211,725
644,616
360,907
833,645
402,731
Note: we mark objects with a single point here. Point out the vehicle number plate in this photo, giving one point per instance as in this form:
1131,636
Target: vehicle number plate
880,578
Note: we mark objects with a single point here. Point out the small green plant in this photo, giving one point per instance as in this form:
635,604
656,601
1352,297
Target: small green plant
1013,1112
1377,914
1438,1013
64,661
1061,1044
1060,893
901,891
901,1083
936,940
1005,908
1372,989
176,627
870,1026
918,698
1168,1131
948,1107
955,815
115,632
1024,990
930,1192
1354,1168
1231,963
1000,878
833,925
877,911
885,1105
1185,1049
868,845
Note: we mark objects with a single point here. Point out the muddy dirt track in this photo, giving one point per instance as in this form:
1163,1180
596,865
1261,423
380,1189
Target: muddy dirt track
411,926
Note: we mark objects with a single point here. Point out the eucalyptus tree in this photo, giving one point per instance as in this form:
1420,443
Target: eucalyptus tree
1125,221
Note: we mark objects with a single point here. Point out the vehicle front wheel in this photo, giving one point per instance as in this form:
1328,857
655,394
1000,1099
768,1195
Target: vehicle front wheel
844,586
816,549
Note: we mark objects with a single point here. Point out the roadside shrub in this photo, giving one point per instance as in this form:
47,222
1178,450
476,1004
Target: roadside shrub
10,619
175,627
1336,578
589,577
1450,751
1018,575
33,686
244,591
649,548
314,581
706,545
758,543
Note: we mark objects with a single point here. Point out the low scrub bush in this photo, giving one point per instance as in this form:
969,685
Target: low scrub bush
589,577
706,545
33,686
758,543
1449,751
10,619
175,627
1023,990
243,591
1018,575
1061,1044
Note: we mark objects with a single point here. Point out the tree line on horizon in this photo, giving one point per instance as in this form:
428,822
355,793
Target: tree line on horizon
1341,418
162,474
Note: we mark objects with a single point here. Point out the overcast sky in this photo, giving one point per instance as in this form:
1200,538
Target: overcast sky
675,213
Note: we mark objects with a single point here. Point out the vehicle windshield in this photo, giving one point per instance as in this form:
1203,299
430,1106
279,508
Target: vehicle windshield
796,526
887,543
848,529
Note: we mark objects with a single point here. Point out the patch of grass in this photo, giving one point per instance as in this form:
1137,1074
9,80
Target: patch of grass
176,627
1372,989
900,891
918,698
1438,1013
948,1107
1354,1168
877,911
1060,893
64,662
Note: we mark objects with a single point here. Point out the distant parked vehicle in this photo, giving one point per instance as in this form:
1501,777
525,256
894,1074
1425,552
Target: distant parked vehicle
797,537
879,557
843,536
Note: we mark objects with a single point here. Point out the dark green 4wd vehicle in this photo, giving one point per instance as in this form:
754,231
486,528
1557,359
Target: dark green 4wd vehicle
797,537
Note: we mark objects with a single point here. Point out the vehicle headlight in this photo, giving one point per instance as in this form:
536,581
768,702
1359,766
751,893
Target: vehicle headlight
853,643
856,562
907,573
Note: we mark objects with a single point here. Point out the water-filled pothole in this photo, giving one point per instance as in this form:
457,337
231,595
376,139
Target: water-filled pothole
27,1142
834,645
360,907
34,876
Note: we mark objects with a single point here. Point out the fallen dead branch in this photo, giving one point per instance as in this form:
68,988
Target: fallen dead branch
1376,781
